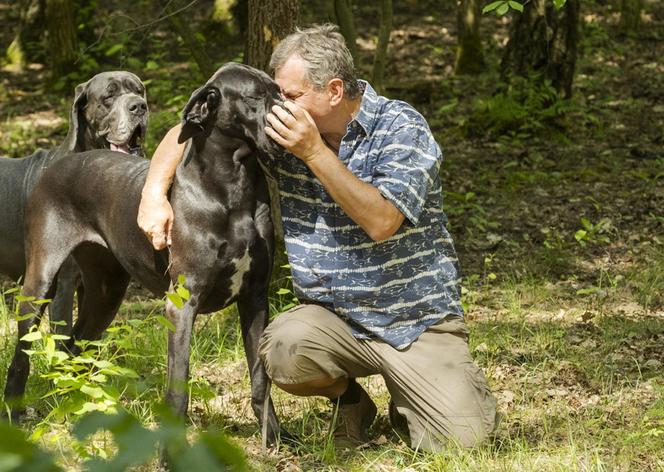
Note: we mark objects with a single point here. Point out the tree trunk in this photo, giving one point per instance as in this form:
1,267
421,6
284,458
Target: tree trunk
469,56
62,37
544,40
346,24
380,57
270,22
630,15
26,46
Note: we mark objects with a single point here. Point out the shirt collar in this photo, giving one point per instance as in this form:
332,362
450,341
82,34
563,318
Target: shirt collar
366,116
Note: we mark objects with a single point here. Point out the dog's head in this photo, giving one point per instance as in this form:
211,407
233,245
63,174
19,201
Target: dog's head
236,101
109,112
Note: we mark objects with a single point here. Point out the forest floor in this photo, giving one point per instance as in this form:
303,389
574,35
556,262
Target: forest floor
558,222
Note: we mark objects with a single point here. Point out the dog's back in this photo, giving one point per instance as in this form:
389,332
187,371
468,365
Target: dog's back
17,178
94,196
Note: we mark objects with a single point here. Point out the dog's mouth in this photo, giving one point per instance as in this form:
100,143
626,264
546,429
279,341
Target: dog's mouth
134,145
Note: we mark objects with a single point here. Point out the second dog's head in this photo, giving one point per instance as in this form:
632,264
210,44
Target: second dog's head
109,112
235,100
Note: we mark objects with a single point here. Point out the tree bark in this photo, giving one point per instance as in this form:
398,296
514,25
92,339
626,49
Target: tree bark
269,22
380,57
469,56
544,40
630,15
346,24
26,45
62,37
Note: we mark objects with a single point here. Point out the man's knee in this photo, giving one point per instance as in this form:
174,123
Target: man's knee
288,349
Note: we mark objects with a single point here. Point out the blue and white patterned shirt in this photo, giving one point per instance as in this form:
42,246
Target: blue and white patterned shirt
394,289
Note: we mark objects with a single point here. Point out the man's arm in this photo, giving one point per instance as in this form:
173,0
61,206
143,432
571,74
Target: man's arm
361,201
155,215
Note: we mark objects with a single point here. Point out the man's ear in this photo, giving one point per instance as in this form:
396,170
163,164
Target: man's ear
199,112
335,89
76,118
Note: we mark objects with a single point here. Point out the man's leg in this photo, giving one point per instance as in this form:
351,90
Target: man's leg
437,387
310,351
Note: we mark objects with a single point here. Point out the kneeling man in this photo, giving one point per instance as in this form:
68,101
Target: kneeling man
372,262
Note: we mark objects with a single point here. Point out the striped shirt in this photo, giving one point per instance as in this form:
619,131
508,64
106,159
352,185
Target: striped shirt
395,289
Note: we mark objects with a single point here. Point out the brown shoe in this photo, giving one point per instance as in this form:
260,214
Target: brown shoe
352,421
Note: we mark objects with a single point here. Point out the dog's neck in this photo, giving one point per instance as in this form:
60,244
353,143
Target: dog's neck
221,164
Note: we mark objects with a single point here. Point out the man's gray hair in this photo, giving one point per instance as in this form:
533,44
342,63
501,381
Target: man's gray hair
324,52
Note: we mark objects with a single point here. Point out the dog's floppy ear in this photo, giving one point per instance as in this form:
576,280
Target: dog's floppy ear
76,118
199,112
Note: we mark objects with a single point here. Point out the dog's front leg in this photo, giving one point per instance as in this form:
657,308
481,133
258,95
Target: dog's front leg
253,320
177,391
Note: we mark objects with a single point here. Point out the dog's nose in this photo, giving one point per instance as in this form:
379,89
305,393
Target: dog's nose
138,107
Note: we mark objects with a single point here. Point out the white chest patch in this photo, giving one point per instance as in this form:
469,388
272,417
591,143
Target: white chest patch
241,267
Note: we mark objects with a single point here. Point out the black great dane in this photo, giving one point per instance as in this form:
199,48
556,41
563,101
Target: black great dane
222,238
109,112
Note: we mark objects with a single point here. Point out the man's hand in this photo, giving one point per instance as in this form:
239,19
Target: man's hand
155,218
295,131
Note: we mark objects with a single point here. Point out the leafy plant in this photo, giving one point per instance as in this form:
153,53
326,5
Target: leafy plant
501,7
593,233
133,445
81,382
525,107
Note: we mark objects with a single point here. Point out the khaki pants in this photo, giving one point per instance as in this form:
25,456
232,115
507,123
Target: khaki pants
434,383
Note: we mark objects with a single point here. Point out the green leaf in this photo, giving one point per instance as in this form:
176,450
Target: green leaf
181,279
502,9
183,292
492,6
94,392
60,337
175,299
32,336
99,378
588,291
558,4
24,298
89,407
103,364
516,6
580,235
165,322
113,49
283,291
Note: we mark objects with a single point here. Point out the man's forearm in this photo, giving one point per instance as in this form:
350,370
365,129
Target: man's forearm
363,202
164,162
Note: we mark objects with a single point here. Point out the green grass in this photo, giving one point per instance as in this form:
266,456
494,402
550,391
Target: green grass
576,394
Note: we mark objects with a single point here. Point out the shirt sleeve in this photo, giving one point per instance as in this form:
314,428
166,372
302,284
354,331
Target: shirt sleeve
407,167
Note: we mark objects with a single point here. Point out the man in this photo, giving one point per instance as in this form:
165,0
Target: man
371,259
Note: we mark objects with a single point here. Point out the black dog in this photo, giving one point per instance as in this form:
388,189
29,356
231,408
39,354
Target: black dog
222,234
109,112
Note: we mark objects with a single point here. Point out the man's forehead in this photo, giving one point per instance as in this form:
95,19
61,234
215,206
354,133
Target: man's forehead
291,76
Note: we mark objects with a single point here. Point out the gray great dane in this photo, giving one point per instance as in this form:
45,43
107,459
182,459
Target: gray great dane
109,112
222,237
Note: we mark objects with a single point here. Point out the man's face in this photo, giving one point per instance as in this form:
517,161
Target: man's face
291,78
